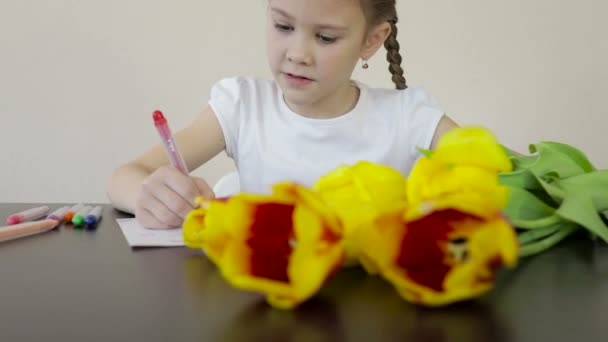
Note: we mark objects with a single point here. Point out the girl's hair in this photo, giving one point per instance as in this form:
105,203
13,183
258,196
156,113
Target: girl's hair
377,12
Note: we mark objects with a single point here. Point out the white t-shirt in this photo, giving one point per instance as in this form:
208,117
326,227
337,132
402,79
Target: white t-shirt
270,143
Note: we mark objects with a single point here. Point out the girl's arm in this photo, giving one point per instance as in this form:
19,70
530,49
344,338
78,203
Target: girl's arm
445,124
158,194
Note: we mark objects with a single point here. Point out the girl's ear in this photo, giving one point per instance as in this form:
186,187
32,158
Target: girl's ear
375,39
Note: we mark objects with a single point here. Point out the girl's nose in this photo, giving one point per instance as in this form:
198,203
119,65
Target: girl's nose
299,54
299,57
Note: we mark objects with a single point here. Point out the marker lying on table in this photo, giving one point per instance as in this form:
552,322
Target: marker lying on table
78,219
94,216
70,213
58,214
25,229
28,215
167,138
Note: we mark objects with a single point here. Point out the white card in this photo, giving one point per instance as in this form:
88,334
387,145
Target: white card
139,236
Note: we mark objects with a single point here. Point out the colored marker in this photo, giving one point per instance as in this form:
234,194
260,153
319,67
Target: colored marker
70,213
58,214
78,219
24,229
94,216
28,215
167,138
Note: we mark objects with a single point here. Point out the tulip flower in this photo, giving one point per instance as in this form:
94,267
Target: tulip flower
439,258
358,194
447,243
284,245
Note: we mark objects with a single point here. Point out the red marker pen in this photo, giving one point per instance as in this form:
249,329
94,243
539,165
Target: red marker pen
28,215
167,138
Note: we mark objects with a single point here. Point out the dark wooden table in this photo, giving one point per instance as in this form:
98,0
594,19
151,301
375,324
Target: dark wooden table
75,284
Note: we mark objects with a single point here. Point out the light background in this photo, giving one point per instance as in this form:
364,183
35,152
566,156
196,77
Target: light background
79,79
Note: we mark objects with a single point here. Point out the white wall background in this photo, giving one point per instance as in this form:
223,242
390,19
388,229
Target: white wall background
79,79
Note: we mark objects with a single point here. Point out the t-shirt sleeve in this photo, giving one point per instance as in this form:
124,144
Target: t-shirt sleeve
421,123
226,101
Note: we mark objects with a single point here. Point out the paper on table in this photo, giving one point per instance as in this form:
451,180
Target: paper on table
139,236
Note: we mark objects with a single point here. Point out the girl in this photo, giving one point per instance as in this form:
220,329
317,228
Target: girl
309,120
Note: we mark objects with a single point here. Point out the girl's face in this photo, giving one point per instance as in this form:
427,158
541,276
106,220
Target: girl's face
313,47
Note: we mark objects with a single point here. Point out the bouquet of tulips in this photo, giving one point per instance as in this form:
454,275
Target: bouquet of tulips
438,236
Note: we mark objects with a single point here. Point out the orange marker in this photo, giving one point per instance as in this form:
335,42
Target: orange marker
67,217
16,231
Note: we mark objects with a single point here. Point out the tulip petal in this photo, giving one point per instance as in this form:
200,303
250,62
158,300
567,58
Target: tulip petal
470,189
473,146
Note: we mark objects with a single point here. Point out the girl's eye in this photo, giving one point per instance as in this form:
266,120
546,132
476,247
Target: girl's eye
325,39
283,28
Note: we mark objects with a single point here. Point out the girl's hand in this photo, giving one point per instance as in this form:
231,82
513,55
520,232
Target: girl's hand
167,196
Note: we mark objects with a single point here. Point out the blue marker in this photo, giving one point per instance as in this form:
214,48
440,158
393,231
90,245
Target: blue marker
94,216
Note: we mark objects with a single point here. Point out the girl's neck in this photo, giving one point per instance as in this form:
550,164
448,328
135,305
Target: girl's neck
331,106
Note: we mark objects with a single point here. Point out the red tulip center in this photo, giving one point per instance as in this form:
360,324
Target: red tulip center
271,231
421,255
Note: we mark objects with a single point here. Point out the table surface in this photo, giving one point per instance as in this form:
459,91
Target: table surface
73,283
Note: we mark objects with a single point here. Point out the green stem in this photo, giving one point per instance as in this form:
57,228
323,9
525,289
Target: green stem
536,224
537,247
536,234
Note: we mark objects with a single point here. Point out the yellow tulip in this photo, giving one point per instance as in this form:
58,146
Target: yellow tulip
472,146
433,183
446,244
284,245
358,194
440,258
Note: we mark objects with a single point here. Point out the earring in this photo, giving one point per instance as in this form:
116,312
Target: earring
365,65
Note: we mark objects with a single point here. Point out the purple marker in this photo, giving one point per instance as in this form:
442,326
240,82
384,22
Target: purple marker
58,214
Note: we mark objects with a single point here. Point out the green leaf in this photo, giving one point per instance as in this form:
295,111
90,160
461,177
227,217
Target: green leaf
510,152
594,185
525,210
573,153
579,208
425,152
521,178
554,157
562,159
582,198
550,184
523,162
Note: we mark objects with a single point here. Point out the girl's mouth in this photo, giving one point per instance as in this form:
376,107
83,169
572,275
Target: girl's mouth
297,81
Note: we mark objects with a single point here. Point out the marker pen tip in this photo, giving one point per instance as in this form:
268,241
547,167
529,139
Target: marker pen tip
13,220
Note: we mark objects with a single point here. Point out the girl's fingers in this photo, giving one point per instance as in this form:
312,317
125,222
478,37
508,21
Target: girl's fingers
203,188
172,200
148,220
161,212
182,185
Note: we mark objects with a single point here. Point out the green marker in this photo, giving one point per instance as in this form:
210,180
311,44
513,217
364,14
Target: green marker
78,219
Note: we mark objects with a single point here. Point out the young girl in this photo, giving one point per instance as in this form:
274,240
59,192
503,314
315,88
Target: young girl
309,120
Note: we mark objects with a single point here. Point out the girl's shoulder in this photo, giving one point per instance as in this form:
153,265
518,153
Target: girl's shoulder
243,87
413,106
407,99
